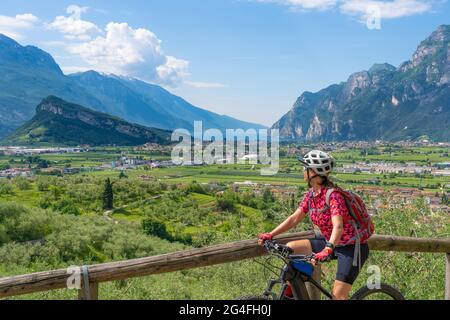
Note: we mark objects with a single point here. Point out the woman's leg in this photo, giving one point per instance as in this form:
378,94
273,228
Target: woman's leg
341,290
300,246
346,271
307,246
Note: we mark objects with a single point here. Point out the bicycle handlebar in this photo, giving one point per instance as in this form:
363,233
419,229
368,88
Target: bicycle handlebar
285,252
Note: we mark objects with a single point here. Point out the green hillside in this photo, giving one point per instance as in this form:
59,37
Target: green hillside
59,122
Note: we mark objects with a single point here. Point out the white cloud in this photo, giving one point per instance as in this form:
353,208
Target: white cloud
131,52
387,9
206,85
305,4
73,69
362,8
12,26
312,4
72,26
172,71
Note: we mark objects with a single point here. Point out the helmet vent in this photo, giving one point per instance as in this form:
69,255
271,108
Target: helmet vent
319,161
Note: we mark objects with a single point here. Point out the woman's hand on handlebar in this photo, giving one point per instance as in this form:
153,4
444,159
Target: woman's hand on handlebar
264,237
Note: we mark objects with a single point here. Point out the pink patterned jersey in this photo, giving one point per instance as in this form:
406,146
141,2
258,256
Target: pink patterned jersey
316,203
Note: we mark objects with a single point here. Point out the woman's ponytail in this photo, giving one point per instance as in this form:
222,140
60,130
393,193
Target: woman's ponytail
327,183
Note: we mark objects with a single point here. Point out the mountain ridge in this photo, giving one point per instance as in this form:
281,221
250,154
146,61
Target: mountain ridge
383,103
60,122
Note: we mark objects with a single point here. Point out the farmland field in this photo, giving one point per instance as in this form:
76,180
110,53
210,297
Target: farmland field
158,210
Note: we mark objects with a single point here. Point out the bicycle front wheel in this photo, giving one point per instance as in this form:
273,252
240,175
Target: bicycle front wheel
385,292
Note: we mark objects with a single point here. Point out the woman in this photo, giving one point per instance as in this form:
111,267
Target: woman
338,235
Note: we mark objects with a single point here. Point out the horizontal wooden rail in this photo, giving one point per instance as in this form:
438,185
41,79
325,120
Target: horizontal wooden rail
196,258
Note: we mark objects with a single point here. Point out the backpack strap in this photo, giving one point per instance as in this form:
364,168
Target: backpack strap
310,194
328,196
317,233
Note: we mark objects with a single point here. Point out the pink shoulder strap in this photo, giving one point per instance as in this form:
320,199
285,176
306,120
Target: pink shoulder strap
328,196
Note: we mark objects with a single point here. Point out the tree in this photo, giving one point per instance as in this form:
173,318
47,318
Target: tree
122,175
108,195
227,202
268,196
22,183
156,228
293,203
55,192
6,188
445,199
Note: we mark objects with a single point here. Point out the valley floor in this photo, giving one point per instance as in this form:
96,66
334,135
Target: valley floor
54,219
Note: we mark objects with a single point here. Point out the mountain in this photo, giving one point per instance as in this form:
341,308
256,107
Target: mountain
179,108
119,99
149,104
385,102
60,122
30,74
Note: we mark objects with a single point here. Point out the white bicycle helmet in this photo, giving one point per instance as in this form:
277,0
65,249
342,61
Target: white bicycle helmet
318,161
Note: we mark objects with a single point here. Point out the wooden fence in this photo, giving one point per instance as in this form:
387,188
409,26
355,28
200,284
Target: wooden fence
196,258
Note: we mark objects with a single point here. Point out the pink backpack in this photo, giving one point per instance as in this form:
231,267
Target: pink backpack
362,221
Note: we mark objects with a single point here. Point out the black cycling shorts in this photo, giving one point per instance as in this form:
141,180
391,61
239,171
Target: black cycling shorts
346,272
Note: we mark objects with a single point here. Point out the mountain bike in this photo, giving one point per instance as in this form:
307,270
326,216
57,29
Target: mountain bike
297,272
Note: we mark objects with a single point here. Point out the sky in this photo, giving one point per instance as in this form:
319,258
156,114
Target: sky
249,59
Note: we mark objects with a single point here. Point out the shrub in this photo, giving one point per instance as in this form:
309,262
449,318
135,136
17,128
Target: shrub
196,188
18,223
6,187
66,206
22,183
156,228
42,183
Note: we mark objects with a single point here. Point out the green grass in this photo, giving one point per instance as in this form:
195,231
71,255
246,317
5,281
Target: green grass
130,215
203,200
421,155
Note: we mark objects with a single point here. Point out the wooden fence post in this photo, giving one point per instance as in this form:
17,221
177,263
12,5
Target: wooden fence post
315,293
447,276
93,292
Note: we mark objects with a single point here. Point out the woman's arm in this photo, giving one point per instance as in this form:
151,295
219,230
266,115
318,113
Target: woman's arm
335,238
290,222
338,212
338,229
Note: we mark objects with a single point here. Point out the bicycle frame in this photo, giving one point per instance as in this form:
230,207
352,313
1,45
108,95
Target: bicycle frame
298,283
296,275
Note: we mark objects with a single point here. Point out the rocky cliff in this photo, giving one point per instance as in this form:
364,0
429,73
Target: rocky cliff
384,102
